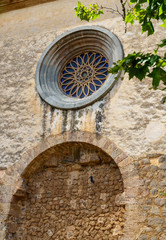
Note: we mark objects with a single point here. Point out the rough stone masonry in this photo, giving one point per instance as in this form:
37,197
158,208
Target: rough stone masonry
108,187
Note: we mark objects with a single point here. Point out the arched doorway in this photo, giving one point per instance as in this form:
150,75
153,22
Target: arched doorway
70,195
15,181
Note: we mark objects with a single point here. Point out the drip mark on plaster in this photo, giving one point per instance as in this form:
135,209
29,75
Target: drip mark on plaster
52,109
73,120
64,121
44,120
100,117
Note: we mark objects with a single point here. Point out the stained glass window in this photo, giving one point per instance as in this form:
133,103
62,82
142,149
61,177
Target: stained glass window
84,74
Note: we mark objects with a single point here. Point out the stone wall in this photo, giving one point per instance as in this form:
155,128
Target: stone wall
128,124
71,197
13,180
152,171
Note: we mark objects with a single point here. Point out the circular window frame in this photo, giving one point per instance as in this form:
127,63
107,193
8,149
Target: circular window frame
61,50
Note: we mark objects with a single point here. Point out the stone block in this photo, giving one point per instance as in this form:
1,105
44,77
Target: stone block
162,183
91,158
155,210
155,221
120,158
145,161
163,236
20,194
143,237
160,201
52,162
154,191
163,166
12,227
162,159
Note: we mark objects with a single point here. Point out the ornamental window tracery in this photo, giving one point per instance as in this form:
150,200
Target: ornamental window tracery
73,71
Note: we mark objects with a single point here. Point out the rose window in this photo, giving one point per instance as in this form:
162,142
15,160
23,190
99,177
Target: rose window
84,74
73,71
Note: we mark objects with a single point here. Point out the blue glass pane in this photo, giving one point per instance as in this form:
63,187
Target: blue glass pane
101,65
67,81
97,82
92,87
62,79
74,95
102,70
73,90
74,64
70,69
69,87
97,60
91,59
86,90
68,92
85,58
82,95
67,75
79,91
100,76
79,60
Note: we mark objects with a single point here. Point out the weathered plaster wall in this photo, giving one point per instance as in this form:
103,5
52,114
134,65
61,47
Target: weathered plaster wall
131,115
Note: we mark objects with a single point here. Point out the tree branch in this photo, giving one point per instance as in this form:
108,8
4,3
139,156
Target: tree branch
109,9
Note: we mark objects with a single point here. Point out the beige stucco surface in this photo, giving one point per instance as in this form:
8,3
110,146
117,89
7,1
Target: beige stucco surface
131,115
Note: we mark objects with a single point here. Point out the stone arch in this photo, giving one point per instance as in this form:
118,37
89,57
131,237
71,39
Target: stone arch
14,176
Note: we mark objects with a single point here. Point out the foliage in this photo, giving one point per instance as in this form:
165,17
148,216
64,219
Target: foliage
88,13
140,65
137,64
146,10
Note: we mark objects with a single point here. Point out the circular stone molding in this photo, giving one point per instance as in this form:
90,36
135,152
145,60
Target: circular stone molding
73,71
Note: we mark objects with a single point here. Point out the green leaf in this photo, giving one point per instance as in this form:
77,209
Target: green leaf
153,59
79,4
114,69
155,75
142,1
164,24
163,100
133,1
161,10
88,13
129,18
148,26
